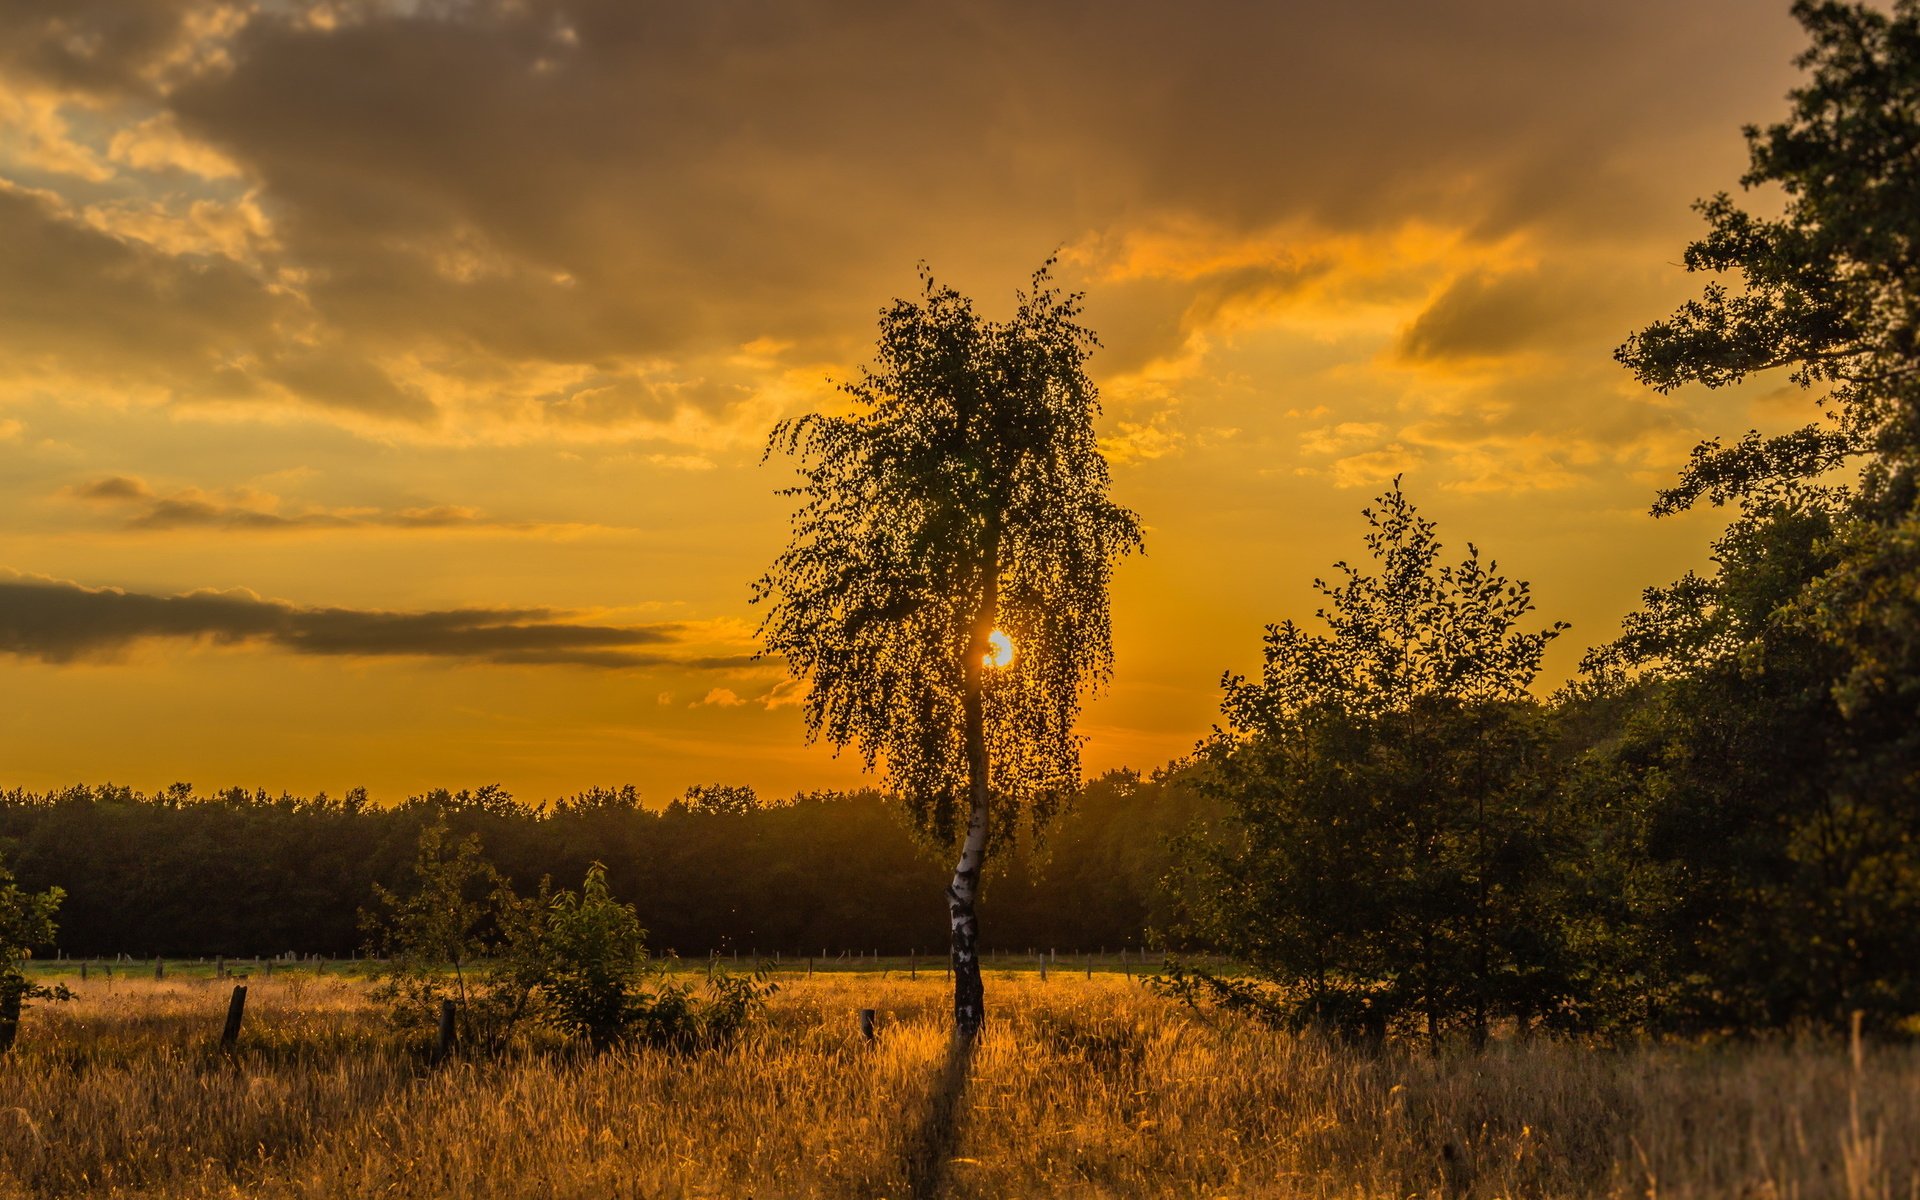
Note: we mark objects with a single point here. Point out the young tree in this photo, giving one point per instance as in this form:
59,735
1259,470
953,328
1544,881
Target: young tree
448,922
1390,853
584,952
945,587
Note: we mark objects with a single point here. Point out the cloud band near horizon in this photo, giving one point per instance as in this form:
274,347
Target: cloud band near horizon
60,621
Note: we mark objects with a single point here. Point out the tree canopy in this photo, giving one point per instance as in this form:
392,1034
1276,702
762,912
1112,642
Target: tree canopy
1765,760
956,520
1829,288
967,480
1389,799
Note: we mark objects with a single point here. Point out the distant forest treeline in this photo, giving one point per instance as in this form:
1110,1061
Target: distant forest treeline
243,873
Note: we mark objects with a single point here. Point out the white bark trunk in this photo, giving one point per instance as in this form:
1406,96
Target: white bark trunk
969,992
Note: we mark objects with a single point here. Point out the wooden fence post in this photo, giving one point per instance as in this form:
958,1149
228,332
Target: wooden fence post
1043,968
444,1039
236,1008
913,964
83,971
866,1024
159,968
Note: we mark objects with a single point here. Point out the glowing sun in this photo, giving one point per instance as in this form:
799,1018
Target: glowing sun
999,649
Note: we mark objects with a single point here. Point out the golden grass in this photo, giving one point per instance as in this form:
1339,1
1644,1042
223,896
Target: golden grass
1079,1088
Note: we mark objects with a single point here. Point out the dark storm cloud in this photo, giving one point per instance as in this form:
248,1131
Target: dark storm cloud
79,300
69,293
115,488
631,189
626,178
58,621
141,507
97,46
333,379
1480,315
190,512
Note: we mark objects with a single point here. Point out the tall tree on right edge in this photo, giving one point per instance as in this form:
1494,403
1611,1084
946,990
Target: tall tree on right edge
945,589
1780,694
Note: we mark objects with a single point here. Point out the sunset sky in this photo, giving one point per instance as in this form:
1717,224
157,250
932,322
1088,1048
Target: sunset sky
383,385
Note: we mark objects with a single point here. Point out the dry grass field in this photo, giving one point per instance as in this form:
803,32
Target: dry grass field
1081,1087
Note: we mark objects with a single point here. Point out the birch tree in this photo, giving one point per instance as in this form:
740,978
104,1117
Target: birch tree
944,590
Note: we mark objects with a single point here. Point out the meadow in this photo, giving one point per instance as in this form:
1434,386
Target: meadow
1081,1086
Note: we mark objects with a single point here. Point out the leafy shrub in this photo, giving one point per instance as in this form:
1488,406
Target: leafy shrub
26,921
583,953
584,956
575,962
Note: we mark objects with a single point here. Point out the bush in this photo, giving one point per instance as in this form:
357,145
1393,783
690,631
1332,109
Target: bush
584,957
575,962
26,921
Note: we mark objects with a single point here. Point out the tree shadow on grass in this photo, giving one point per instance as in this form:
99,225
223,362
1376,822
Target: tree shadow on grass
930,1150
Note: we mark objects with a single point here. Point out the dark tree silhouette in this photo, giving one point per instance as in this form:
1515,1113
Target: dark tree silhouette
1774,744
965,496
1387,860
1830,288
147,873
26,923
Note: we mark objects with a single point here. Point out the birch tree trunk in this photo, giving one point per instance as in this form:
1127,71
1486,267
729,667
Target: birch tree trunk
969,993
